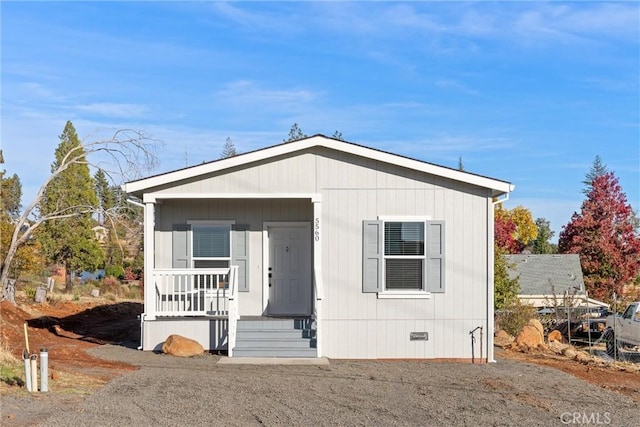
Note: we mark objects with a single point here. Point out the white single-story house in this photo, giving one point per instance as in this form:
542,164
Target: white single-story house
320,248
550,281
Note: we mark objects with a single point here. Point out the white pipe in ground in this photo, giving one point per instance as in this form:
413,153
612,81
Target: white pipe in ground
27,370
34,372
44,370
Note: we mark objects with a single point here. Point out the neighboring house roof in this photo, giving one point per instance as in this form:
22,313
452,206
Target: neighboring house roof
547,274
137,187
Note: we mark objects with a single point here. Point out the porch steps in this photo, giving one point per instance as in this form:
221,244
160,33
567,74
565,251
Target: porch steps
275,337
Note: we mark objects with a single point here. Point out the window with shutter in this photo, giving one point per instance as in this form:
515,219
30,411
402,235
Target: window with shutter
211,245
403,257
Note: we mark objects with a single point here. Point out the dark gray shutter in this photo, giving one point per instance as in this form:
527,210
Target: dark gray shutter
372,256
240,254
435,256
181,239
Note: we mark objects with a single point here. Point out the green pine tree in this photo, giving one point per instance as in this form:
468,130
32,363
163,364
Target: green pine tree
542,244
295,133
506,289
597,169
229,149
105,194
69,200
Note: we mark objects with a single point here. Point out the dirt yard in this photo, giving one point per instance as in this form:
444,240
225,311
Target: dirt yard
98,378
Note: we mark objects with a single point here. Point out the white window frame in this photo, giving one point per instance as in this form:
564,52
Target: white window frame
195,223
404,293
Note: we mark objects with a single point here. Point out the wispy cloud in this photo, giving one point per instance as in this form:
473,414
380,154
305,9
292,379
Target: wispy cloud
114,110
249,95
545,23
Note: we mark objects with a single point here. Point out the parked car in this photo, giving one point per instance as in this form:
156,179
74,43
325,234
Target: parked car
623,331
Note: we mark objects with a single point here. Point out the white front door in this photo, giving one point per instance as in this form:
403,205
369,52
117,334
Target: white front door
289,270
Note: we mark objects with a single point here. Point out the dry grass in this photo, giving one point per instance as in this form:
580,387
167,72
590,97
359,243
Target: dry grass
11,368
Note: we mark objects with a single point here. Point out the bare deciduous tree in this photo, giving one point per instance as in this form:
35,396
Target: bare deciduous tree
125,155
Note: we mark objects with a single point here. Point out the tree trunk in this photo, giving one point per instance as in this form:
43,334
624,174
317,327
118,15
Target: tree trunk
9,285
9,290
67,278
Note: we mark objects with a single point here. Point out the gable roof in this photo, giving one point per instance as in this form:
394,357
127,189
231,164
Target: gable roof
547,274
498,187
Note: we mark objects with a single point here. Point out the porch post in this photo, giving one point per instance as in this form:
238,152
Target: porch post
149,255
317,270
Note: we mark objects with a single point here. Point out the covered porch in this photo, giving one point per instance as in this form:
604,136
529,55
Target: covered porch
186,296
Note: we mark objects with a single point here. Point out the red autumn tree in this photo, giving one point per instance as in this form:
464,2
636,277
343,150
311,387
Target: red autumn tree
504,232
604,235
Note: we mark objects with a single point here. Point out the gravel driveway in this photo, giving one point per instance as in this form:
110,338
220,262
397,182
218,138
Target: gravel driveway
169,391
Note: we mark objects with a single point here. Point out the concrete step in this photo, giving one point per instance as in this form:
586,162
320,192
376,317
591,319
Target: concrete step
275,352
275,333
258,336
273,323
248,343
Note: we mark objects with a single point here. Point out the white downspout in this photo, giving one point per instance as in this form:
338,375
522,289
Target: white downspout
148,248
491,271
133,202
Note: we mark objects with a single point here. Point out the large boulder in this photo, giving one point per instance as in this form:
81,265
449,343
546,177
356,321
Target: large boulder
180,346
502,338
536,324
530,337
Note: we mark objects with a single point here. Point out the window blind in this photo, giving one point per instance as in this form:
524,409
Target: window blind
404,238
210,241
403,273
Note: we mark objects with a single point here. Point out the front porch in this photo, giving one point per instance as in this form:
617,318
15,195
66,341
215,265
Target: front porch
202,304
198,303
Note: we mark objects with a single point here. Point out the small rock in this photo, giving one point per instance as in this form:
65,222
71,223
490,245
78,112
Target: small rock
570,353
555,335
557,347
180,346
582,357
55,376
41,295
10,416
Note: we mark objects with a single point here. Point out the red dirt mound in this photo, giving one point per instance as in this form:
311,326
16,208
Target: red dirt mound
67,329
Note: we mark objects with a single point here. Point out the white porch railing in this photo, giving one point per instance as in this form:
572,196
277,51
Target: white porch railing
196,292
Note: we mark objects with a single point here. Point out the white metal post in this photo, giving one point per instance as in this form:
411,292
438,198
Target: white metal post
149,264
317,270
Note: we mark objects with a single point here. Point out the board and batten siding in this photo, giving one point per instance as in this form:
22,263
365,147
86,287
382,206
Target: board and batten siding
354,189
253,213
295,174
359,325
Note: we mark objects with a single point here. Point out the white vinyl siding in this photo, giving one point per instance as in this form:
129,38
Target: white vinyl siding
357,324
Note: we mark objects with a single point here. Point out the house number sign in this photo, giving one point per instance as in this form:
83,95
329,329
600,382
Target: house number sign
316,229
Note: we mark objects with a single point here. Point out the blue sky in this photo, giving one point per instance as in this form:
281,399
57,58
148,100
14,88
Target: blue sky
525,92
